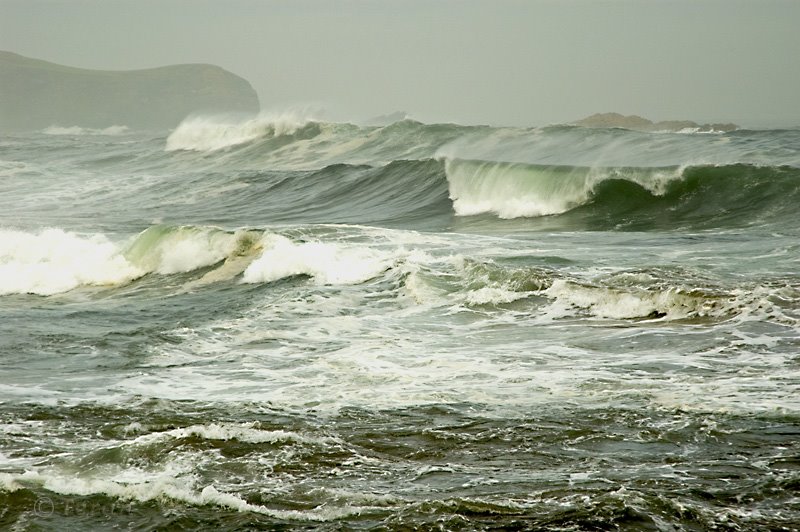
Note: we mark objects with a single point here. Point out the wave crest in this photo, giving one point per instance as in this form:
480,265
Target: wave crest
53,261
327,263
514,190
625,197
208,133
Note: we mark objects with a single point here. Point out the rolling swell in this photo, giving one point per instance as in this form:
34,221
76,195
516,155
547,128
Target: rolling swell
704,197
427,194
630,198
397,194
294,169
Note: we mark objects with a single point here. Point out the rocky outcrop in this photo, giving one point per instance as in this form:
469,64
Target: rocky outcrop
637,123
36,94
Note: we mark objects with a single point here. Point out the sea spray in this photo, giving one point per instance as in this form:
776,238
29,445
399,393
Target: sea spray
204,133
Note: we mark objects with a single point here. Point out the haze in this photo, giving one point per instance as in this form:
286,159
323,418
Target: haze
498,62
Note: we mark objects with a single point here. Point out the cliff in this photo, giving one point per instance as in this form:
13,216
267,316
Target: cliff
637,123
36,94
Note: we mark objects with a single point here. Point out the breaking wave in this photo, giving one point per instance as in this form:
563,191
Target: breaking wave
326,263
140,486
206,134
54,261
51,261
550,294
671,196
513,190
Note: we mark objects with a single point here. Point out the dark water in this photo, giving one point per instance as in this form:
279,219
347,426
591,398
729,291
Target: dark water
282,323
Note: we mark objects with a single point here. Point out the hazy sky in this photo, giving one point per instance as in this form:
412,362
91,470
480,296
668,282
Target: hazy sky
509,62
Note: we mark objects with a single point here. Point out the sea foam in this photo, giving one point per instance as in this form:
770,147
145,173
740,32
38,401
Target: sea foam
145,487
53,261
243,432
326,263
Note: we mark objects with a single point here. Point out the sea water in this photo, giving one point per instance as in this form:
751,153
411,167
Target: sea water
280,322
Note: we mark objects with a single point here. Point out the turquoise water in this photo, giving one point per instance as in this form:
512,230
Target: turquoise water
283,323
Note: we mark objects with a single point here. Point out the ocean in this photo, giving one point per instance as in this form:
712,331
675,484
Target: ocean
287,323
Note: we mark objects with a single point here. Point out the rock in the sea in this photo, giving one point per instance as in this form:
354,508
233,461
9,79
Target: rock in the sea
37,94
637,123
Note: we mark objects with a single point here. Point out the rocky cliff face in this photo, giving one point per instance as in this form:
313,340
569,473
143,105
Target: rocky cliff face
36,94
638,123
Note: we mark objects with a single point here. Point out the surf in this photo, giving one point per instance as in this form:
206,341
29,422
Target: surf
668,197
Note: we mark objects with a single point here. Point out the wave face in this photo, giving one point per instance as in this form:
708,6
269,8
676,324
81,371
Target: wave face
520,190
669,197
280,322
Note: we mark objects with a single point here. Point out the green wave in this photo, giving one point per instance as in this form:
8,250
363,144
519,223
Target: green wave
626,197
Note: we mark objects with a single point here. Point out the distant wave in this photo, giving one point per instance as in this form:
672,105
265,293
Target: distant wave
299,140
77,130
201,133
296,139
291,169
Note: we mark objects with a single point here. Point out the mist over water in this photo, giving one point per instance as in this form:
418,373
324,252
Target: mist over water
279,321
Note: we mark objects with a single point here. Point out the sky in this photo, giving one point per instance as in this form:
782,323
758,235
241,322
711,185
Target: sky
499,62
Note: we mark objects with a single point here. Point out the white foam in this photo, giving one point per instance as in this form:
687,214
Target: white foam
420,291
326,263
511,191
53,261
209,133
184,249
144,487
390,343
244,432
490,295
133,428
624,304
8,482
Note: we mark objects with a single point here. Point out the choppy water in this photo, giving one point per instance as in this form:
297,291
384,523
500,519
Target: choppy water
284,323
